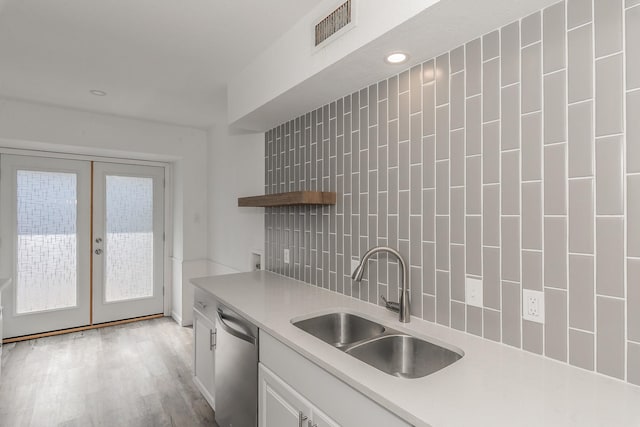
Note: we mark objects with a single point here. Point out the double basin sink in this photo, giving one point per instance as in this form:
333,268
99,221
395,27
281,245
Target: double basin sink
386,349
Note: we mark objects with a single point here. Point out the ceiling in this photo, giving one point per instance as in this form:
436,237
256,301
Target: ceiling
163,60
437,29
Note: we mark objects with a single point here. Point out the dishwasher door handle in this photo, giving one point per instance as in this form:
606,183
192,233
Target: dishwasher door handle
248,338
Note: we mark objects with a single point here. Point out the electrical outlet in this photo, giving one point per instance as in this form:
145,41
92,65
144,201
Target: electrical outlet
286,256
533,305
473,292
354,264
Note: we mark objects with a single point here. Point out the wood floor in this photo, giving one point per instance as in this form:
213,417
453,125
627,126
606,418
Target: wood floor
137,374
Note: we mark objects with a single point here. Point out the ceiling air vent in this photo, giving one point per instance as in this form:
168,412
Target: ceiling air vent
334,22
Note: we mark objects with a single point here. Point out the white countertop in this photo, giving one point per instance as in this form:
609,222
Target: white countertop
492,385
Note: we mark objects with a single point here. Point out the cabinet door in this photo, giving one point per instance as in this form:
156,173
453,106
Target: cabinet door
203,359
279,405
320,419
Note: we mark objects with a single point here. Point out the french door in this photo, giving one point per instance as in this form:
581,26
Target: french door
128,240
82,240
45,206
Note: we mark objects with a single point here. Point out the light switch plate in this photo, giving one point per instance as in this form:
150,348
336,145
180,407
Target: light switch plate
354,264
473,292
533,305
286,256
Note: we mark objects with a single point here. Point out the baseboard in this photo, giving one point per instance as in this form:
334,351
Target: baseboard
176,317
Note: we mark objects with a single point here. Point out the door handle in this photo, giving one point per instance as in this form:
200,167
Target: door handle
301,418
98,239
98,251
213,339
230,330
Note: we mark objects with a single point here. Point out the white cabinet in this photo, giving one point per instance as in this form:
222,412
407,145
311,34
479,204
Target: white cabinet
321,419
281,406
204,355
289,384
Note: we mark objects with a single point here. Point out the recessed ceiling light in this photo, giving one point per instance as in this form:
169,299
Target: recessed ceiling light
396,58
98,92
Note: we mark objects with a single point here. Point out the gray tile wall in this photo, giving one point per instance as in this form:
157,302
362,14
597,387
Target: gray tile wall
514,159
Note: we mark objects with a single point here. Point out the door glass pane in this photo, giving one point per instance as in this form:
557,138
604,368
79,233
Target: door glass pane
46,277
129,239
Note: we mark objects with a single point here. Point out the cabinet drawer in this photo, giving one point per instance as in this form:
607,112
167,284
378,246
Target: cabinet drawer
345,405
205,303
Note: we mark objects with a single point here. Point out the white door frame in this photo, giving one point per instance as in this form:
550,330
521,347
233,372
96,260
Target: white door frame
169,196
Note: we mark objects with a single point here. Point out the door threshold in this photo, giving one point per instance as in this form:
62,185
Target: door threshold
80,329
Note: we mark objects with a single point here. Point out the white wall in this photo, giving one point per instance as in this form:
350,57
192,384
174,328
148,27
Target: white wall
236,169
35,126
292,58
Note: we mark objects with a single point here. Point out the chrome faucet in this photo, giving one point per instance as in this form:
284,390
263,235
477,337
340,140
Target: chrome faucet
404,305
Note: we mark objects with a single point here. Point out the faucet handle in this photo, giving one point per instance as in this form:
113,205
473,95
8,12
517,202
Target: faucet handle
391,305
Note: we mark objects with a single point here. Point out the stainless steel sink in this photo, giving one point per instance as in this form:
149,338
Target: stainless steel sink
384,348
340,329
404,356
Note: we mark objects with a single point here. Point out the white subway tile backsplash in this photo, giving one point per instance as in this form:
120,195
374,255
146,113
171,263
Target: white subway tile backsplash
491,324
609,176
579,12
442,79
581,292
503,160
610,256
609,95
490,45
511,315
555,180
510,120
532,147
473,67
532,270
553,37
474,186
491,153
456,59
608,26
633,47
610,342
510,248
510,53
531,78
473,128
531,29
581,349
581,216
581,139
580,68
555,108
457,103
532,215
555,252
491,90
491,277
510,183
555,325
532,336
491,215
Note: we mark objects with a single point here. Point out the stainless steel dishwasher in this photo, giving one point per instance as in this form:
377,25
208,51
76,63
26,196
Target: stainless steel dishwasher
236,370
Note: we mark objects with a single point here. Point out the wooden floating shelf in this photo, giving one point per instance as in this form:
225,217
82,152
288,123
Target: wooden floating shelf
292,198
